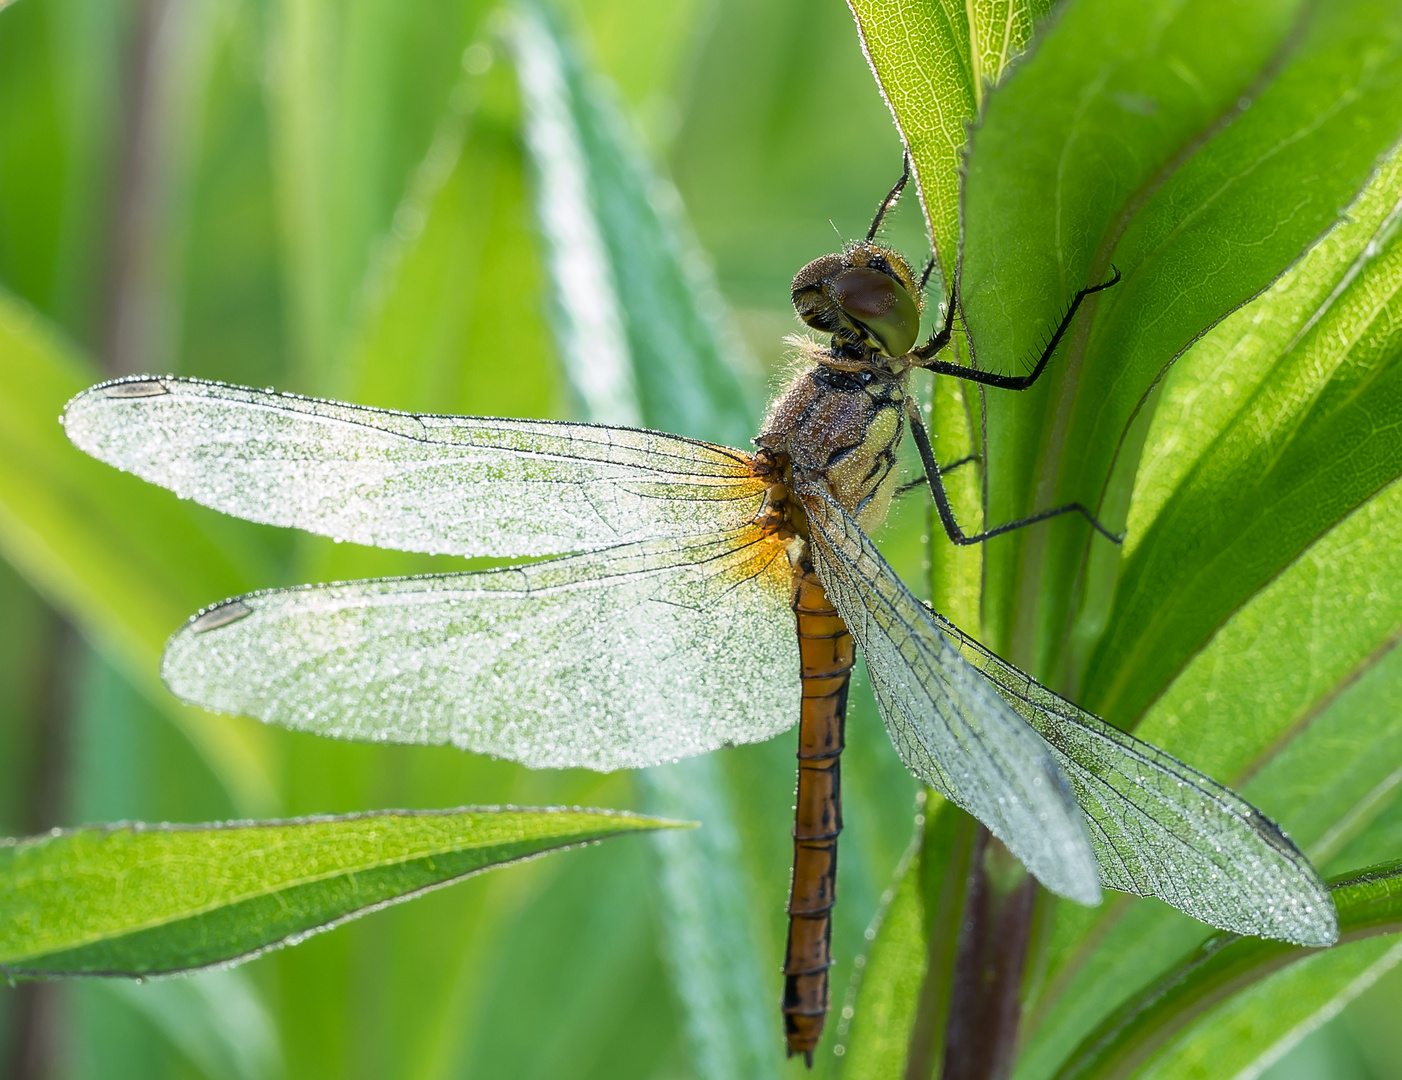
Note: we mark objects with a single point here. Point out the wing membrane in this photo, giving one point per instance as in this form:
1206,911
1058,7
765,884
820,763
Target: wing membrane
948,724
441,484
1161,828
621,658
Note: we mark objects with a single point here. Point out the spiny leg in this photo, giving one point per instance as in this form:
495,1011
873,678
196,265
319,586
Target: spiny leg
890,200
951,526
939,340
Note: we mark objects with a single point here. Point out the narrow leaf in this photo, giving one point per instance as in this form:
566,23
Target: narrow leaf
645,341
193,896
1369,904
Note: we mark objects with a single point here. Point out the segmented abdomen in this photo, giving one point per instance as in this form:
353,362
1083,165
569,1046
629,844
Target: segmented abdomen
827,654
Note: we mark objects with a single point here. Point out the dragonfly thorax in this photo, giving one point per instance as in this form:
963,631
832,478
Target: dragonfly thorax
840,428
865,297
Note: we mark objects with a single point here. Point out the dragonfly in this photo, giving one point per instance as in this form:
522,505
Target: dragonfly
699,596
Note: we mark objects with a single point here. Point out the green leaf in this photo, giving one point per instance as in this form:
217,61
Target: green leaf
1187,156
1298,450
1369,903
1293,699
199,895
355,89
934,60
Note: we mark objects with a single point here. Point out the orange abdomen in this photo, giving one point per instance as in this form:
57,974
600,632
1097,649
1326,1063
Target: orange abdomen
827,653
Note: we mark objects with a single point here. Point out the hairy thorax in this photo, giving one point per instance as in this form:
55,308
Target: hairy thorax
841,429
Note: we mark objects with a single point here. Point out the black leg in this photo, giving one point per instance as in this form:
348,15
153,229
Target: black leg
951,527
925,277
890,200
988,378
919,481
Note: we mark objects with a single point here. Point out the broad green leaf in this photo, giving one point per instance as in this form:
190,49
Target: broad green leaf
200,895
1308,445
1188,157
126,561
1369,903
934,61
1292,700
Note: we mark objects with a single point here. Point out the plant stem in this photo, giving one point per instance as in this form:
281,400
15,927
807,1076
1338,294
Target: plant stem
986,1001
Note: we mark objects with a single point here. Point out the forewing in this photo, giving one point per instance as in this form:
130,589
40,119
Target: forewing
950,727
621,658
442,484
1161,828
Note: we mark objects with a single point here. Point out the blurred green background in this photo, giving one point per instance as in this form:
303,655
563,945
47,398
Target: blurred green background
333,197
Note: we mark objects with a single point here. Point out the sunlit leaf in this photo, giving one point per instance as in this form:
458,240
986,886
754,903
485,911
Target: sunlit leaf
1293,699
1369,904
1308,444
194,896
934,61
1186,155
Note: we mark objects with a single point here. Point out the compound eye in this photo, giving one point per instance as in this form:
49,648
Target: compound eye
879,303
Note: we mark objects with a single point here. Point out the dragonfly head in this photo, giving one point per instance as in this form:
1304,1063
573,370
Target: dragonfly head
864,296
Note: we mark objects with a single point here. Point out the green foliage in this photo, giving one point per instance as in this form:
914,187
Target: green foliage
1369,904
1248,626
350,205
141,900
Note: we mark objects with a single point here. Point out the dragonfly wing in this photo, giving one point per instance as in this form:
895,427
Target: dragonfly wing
1161,828
950,727
621,658
441,484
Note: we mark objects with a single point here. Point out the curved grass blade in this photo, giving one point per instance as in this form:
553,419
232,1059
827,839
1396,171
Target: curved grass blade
123,561
1369,903
643,334
193,896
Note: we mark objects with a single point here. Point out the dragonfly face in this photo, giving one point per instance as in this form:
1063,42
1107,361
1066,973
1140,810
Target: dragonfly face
865,297
610,657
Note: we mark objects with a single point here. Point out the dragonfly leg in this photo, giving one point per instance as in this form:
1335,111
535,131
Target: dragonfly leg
939,340
951,525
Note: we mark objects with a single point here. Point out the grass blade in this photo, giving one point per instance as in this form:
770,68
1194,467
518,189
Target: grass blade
1369,903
